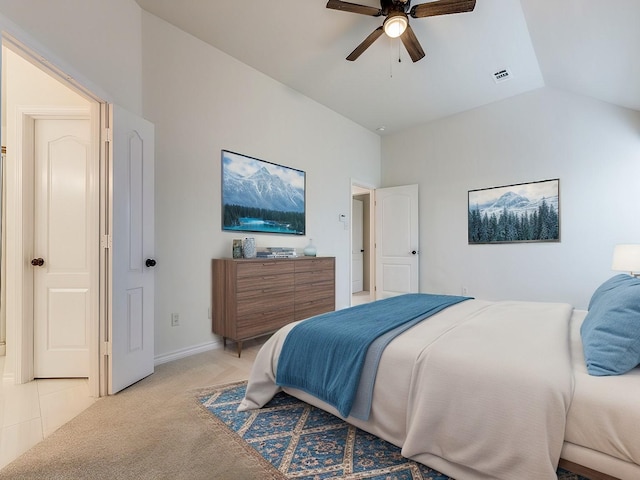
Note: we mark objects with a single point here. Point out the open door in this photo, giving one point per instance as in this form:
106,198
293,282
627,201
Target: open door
131,318
397,247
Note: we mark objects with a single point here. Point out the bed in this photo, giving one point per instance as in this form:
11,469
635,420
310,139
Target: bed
492,390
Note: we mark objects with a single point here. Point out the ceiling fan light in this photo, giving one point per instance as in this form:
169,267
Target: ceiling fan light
395,26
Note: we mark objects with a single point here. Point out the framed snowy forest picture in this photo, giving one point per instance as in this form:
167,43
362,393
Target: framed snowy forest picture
525,212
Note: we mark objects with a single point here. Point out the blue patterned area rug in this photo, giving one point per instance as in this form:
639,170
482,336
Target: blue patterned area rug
303,442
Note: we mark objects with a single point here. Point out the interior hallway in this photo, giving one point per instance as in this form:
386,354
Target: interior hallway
361,297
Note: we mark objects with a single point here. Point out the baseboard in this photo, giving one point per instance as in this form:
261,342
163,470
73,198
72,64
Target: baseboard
186,352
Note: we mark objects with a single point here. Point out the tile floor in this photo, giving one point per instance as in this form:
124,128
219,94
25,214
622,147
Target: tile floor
34,410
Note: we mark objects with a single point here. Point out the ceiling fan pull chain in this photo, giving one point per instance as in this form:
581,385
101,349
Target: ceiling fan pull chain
390,58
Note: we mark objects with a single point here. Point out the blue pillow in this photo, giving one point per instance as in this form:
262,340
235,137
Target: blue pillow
611,330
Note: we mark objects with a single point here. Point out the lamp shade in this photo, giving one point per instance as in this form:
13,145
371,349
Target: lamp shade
626,258
395,25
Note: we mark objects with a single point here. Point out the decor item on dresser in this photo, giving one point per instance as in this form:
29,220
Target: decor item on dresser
277,252
249,247
236,251
525,212
310,250
252,298
260,196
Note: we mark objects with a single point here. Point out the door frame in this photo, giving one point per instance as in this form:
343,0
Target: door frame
362,188
19,280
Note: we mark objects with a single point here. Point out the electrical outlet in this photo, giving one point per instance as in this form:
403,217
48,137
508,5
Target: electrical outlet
465,291
175,319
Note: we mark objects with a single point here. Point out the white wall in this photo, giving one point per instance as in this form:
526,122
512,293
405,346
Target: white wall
591,146
202,101
97,42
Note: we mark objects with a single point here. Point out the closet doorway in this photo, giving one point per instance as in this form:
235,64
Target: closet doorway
362,245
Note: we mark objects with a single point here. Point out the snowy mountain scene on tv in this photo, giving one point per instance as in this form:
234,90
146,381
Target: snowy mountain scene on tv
259,196
527,212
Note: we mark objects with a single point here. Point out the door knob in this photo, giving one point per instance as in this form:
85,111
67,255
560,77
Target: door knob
413,252
37,262
150,262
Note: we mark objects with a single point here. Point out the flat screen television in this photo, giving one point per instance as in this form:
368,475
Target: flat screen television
261,197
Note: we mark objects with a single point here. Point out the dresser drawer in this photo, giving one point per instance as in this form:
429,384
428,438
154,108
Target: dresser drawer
315,264
264,284
311,308
314,291
309,265
260,269
319,277
264,303
259,323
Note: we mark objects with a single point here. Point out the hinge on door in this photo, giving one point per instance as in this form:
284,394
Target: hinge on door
106,241
106,349
108,134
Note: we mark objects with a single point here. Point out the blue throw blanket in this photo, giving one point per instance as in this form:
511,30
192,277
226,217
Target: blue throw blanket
324,355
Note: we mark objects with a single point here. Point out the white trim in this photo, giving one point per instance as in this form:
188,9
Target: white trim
186,352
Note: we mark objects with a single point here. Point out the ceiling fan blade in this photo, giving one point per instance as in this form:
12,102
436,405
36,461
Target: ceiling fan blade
354,8
412,44
366,44
443,7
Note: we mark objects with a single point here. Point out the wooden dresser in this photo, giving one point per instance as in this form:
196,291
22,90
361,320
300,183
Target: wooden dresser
255,297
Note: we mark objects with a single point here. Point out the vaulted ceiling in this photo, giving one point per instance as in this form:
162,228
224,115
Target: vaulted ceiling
590,47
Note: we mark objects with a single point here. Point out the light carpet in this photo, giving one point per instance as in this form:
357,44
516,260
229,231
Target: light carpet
153,430
305,443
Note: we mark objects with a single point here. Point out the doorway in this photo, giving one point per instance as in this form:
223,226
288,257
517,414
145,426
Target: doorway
388,260
120,332
61,285
362,245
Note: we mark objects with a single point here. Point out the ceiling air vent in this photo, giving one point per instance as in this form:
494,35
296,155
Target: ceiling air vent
502,75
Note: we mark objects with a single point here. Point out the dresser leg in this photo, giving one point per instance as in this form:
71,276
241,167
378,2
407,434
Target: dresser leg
239,347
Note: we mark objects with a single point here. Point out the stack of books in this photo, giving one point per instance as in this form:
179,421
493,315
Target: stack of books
277,252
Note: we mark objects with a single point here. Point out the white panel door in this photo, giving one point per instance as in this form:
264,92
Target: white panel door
65,249
357,247
397,252
132,253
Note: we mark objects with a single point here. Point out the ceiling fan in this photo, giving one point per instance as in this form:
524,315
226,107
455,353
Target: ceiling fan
396,23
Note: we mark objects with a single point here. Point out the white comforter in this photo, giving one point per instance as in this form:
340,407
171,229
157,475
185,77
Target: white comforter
478,391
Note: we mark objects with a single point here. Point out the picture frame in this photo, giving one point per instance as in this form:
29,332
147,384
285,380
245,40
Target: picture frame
262,197
523,212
